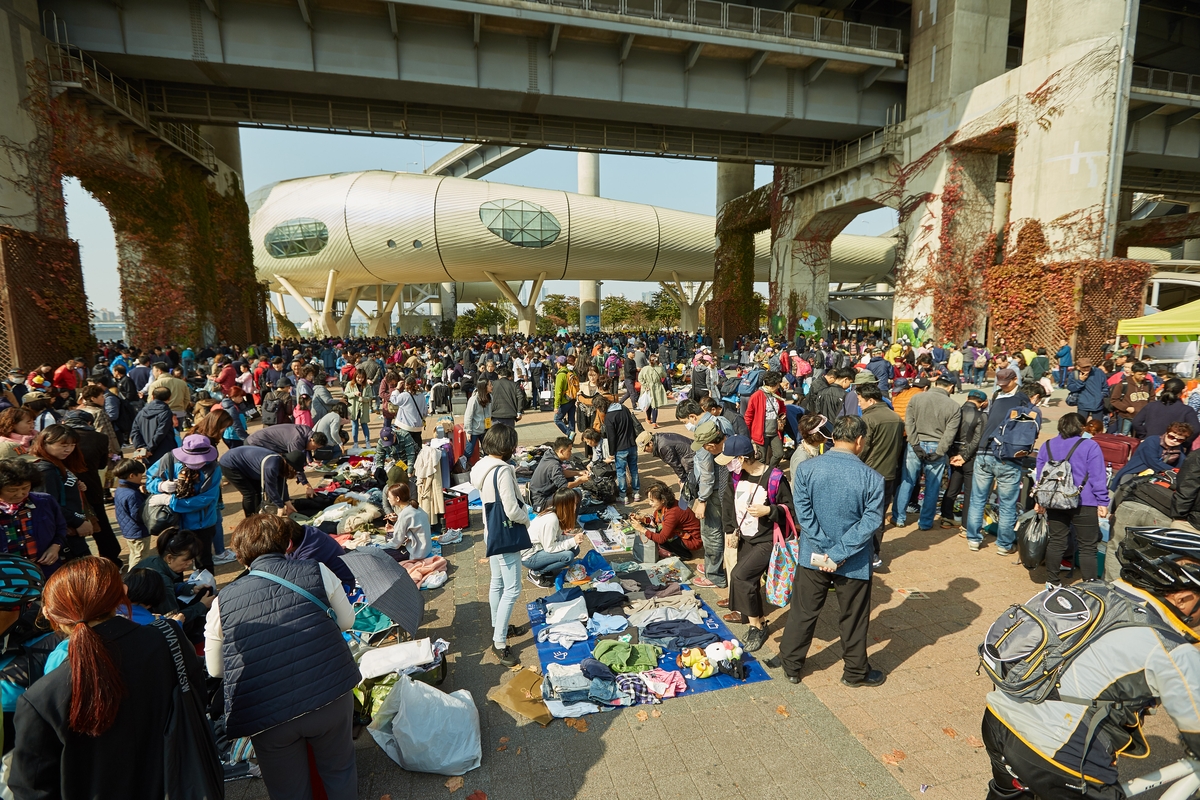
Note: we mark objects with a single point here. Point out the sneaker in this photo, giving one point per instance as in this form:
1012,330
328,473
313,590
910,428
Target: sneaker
974,545
539,580
637,497
874,678
877,563
703,582
1005,551
755,639
505,656
226,557
948,523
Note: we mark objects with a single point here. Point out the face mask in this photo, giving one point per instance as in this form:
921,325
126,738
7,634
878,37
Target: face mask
735,466
691,426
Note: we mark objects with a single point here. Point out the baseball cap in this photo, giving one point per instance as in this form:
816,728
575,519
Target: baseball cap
561,360
707,433
921,383
975,394
864,376
735,447
1005,375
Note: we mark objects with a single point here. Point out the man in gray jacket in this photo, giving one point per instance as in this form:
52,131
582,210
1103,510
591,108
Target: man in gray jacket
506,399
930,423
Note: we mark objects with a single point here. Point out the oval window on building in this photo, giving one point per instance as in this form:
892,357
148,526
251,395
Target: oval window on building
296,237
520,222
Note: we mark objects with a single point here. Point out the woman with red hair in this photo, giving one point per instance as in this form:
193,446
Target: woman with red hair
94,727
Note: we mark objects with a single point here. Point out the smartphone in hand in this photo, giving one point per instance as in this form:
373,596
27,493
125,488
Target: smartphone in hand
822,561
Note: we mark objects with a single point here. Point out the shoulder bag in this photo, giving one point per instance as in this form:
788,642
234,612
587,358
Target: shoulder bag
503,535
191,765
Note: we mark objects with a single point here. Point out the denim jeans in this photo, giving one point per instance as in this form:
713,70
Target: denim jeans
504,593
913,467
1062,376
550,563
627,457
564,418
354,426
471,444
1007,476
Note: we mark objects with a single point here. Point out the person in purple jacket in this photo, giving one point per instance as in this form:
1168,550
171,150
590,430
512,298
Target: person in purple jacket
1087,469
32,522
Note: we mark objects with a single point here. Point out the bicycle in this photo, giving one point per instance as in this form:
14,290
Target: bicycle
1184,774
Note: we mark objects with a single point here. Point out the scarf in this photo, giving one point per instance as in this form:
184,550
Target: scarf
22,442
17,524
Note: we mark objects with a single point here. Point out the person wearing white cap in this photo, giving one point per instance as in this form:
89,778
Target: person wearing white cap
188,479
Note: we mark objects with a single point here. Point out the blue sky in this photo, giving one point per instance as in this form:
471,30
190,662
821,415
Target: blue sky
269,156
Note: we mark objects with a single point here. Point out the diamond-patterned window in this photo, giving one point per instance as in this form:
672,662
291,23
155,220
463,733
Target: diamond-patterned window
296,237
520,222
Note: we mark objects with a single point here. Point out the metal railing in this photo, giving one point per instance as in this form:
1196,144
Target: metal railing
883,142
71,68
734,17
1165,80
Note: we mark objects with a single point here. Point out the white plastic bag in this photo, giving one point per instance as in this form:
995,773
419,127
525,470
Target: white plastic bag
396,658
643,403
423,729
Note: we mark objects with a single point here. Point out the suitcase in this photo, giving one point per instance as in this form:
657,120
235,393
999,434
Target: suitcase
460,441
547,401
1117,449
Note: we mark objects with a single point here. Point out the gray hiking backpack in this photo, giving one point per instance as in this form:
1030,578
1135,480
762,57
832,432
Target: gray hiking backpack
1056,488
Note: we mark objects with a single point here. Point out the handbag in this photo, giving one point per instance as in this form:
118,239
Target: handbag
191,765
785,560
503,535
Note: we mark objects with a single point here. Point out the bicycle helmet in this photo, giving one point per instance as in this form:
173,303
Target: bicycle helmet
1150,559
20,581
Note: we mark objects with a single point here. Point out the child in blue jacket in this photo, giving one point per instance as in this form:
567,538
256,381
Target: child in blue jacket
128,500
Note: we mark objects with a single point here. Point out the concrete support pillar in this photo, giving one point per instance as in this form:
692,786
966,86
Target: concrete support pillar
526,312
956,46
1002,208
689,306
449,298
733,180
1191,247
226,142
589,291
381,322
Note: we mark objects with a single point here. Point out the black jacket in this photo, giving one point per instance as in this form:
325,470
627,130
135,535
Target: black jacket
154,429
827,400
620,430
126,761
970,432
676,450
506,399
1186,504
64,490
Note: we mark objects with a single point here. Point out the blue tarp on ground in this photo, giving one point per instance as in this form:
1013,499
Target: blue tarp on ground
549,653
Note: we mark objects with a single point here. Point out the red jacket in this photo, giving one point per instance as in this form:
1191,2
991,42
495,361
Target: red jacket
756,417
65,378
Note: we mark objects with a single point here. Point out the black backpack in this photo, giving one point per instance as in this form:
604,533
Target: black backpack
270,409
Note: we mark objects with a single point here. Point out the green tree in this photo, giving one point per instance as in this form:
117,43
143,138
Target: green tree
466,326
763,309
664,310
615,311
641,315
546,326
562,309
490,315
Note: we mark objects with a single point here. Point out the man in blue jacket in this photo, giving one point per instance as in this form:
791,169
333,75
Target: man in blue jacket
837,544
1063,356
1090,385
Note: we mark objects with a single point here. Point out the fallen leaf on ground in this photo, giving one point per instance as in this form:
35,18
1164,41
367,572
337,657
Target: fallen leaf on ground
782,711
385,797
501,748
454,784
483,561
642,716
578,724
518,751
503,740
656,713
895,757
477,795
974,741
950,732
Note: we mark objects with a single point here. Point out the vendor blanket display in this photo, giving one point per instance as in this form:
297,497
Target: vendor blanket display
551,653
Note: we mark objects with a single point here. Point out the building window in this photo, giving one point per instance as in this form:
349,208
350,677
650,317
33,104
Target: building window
296,237
520,222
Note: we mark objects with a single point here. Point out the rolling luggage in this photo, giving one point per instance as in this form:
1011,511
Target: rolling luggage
1117,449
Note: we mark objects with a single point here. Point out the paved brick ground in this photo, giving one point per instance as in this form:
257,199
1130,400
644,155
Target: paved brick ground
832,742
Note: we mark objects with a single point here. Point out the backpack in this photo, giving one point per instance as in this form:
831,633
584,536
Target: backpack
1056,488
750,382
981,361
270,409
730,386
773,362
802,368
772,484
1026,651
1017,435
612,367
572,386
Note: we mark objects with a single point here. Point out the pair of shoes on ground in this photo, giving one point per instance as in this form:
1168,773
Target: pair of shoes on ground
874,677
540,579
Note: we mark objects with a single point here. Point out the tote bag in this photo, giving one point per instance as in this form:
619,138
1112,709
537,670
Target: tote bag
503,535
191,767
785,559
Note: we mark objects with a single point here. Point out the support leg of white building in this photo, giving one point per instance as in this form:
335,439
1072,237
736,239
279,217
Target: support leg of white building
344,321
526,312
689,306
449,295
381,322
314,316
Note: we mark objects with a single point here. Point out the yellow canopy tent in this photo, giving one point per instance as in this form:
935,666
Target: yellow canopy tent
1177,325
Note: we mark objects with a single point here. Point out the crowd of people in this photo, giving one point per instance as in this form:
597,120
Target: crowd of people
831,442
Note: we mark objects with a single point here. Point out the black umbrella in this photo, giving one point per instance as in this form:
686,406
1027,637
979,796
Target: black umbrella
388,587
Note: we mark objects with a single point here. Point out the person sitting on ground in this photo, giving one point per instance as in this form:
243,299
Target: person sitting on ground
675,530
176,554
410,531
552,550
596,442
145,591
550,477
1156,454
